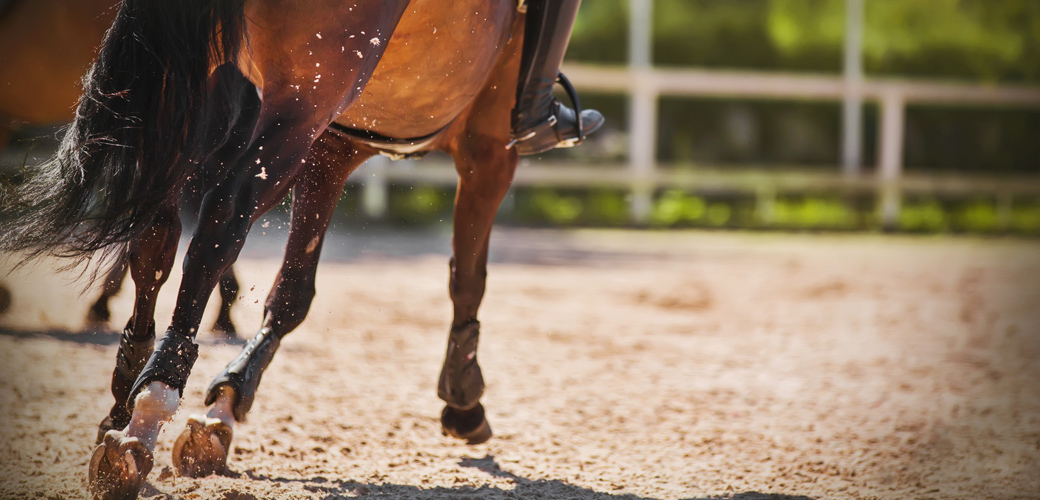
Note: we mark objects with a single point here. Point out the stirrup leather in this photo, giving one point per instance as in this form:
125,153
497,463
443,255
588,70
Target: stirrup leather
572,94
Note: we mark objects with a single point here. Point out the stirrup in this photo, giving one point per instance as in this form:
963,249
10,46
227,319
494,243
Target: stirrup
572,94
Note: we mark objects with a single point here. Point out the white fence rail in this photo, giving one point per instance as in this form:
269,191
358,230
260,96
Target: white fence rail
642,175
648,85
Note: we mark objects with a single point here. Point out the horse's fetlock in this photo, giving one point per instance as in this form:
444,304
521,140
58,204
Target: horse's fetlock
157,400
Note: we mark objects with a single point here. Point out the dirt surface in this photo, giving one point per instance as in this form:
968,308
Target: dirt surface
619,365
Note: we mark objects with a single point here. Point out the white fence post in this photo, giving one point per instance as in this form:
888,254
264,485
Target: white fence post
642,109
890,156
852,109
374,189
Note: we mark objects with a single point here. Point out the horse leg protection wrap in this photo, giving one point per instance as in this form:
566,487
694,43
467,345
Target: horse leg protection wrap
130,360
244,372
170,364
461,384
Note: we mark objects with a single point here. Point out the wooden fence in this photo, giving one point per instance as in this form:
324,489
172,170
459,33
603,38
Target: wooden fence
644,176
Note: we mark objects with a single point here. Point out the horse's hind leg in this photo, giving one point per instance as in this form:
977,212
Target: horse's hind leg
289,122
229,286
260,180
201,448
223,223
228,293
150,260
98,313
119,465
485,170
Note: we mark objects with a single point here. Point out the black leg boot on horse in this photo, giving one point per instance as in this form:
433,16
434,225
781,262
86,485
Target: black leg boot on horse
539,121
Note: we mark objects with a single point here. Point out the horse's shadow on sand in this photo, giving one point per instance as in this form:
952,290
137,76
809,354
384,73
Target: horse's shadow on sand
550,489
98,335
86,336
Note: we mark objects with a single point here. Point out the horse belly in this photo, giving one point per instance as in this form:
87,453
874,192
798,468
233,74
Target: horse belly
436,62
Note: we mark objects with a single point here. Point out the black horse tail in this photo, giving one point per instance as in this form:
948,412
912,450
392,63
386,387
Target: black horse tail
149,115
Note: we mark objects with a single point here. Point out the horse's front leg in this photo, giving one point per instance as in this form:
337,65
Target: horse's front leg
228,293
485,170
230,396
191,198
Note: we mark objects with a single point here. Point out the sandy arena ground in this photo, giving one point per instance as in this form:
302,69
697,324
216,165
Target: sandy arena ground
625,365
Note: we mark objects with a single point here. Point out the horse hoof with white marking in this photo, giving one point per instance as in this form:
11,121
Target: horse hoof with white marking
118,467
203,448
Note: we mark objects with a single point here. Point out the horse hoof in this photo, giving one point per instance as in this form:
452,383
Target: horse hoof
469,425
106,425
98,314
202,449
225,329
5,299
118,467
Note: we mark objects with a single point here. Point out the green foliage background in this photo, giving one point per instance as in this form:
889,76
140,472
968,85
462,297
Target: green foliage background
978,40
983,41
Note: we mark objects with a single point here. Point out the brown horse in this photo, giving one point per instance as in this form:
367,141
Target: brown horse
49,45
318,88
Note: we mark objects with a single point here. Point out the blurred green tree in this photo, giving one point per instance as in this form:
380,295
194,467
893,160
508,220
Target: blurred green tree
968,40
990,40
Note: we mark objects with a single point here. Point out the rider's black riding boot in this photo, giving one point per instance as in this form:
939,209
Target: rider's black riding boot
540,122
